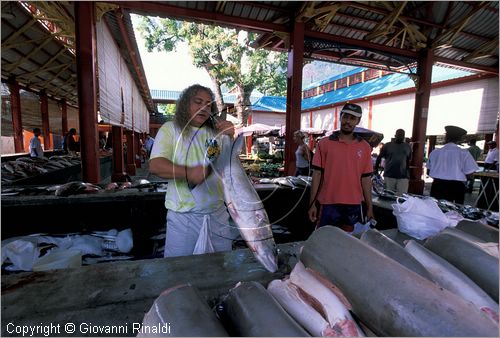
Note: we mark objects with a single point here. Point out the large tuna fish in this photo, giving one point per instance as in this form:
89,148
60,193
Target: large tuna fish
450,278
468,257
393,250
244,205
181,312
255,313
485,232
391,299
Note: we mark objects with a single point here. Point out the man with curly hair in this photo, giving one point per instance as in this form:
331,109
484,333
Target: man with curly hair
194,196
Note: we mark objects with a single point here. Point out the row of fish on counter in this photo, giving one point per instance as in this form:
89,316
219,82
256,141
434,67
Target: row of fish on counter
383,283
24,167
288,181
467,211
79,187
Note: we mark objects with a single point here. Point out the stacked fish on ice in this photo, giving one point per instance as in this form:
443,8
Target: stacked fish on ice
24,167
398,292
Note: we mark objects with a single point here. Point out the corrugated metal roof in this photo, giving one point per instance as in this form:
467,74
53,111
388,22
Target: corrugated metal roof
275,104
335,77
385,84
173,95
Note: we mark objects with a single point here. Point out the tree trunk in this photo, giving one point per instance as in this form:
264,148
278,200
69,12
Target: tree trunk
218,96
242,103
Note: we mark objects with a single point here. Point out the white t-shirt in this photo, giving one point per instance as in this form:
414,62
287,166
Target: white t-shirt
36,147
189,150
451,163
492,156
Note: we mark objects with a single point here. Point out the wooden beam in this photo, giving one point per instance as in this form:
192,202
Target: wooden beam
166,10
485,50
459,26
386,24
14,65
422,97
18,32
44,109
294,91
87,89
467,65
361,44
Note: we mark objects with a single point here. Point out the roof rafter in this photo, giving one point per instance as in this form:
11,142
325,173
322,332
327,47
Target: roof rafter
485,50
384,27
445,37
29,55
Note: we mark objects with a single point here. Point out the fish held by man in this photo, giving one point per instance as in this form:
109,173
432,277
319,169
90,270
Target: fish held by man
244,204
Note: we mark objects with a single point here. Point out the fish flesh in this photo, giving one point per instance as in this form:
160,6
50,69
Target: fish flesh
297,305
313,305
184,313
253,312
468,257
485,232
393,250
450,278
389,298
244,204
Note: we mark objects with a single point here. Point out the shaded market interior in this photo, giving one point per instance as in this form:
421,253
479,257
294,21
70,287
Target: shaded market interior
51,59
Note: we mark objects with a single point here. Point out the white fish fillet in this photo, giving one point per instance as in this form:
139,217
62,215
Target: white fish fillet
288,295
331,306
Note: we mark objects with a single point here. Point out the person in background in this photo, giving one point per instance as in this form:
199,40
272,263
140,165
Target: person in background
194,195
450,166
70,145
341,179
148,144
491,160
397,156
35,144
102,140
302,154
475,151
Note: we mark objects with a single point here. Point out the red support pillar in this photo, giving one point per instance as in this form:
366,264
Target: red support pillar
118,166
44,109
130,152
422,95
249,138
17,124
294,94
85,34
64,116
138,157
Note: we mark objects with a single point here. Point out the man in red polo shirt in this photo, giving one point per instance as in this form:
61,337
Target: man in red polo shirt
341,180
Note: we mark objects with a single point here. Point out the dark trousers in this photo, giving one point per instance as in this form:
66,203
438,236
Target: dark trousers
302,171
343,216
453,191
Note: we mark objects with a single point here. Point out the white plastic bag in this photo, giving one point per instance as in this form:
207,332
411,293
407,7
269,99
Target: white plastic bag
419,218
204,244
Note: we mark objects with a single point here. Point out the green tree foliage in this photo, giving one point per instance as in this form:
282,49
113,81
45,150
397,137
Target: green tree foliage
226,54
